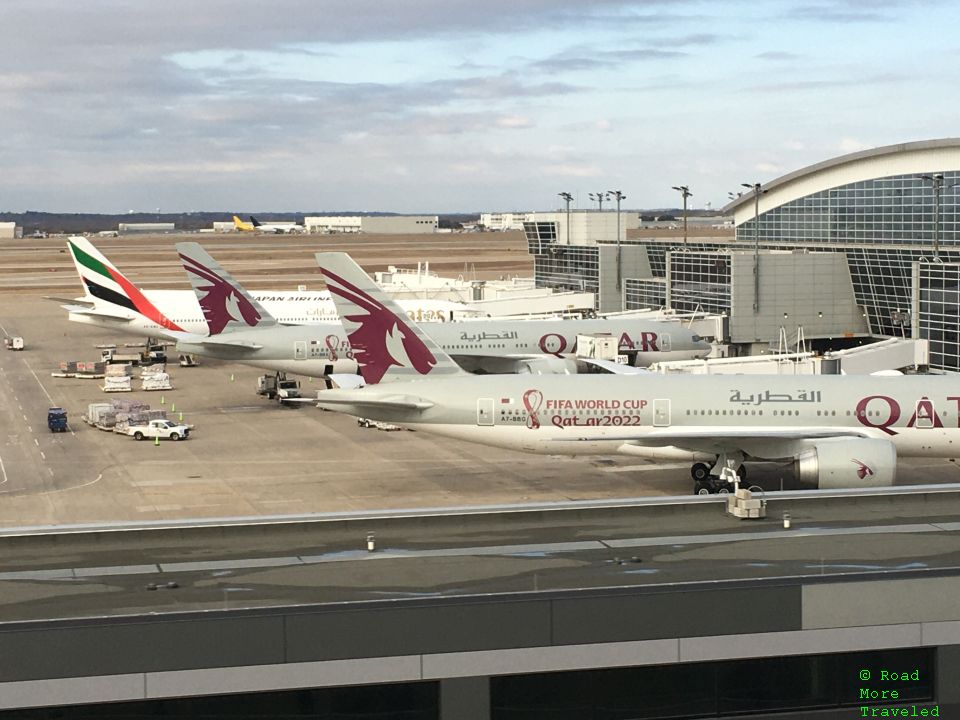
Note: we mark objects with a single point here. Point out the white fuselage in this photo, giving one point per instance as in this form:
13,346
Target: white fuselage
312,341
669,416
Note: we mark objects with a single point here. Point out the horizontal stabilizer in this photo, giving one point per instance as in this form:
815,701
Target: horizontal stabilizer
84,310
71,301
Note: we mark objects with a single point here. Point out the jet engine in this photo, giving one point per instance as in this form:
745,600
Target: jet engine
847,463
548,366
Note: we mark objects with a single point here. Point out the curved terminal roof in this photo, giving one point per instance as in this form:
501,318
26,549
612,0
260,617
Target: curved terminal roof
924,156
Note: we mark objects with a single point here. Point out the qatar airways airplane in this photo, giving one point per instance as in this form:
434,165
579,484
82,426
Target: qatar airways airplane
843,431
113,302
240,329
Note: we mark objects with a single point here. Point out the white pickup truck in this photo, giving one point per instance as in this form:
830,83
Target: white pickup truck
163,429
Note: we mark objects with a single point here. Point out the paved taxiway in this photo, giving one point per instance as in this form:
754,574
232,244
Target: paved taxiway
248,456
646,545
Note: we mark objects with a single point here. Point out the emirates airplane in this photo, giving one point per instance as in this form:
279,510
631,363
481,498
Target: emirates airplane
240,329
113,302
842,431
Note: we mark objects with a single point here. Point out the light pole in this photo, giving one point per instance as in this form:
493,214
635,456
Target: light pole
756,243
937,181
599,197
685,191
567,197
618,196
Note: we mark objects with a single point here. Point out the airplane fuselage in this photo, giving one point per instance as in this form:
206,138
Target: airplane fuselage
641,415
492,345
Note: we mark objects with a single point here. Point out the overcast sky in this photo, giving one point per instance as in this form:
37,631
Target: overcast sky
452,105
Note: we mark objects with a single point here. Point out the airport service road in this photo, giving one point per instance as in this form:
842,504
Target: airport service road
637,545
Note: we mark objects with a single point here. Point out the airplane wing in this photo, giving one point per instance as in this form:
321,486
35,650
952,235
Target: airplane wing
211,341
614,367
397,402
346,381
758,442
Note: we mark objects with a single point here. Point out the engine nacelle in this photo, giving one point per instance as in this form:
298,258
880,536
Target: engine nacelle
548,365
847,463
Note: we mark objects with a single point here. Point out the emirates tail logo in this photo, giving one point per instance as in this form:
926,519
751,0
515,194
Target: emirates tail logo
863,470
221,303
382,340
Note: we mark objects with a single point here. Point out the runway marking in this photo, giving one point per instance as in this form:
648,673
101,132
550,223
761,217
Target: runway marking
40,384
75,487
43,455
4,470
4,329
35,441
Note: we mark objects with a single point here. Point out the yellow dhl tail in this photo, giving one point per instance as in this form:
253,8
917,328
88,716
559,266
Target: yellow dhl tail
241,225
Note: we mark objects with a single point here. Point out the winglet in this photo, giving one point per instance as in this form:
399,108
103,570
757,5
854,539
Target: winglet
104,282
226,305
386,344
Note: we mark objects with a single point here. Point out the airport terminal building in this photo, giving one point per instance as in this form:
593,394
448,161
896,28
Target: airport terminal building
874,234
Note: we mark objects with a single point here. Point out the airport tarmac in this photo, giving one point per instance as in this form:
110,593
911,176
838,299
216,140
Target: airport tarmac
248,456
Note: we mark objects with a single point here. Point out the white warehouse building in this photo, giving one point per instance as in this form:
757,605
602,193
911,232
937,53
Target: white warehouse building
383,224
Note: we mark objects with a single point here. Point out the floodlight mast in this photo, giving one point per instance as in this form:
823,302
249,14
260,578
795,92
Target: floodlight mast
756,243
567,198
685,192
618,196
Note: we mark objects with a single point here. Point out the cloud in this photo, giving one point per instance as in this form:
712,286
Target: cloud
767,167
586,59
514,122
842,13
850,145
777,55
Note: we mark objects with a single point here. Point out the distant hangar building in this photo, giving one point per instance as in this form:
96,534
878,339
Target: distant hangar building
382,224
10,230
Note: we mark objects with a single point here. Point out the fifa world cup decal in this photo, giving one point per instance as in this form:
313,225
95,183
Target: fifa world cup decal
532,400
333,342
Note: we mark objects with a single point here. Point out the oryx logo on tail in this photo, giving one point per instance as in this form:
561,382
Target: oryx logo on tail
222,304
382,339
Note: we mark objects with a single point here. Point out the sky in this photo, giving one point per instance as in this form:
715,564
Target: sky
437,106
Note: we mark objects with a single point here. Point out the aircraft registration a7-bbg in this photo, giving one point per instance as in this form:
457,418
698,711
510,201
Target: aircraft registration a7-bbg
843,431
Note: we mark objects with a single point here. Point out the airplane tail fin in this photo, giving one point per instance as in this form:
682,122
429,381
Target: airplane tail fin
386,345
240,224
255,222
103,282
226,305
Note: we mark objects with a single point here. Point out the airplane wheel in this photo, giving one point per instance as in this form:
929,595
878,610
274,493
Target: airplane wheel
723,491
700,489
700,472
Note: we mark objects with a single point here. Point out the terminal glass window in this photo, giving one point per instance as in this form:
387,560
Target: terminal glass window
569,267
938,310
891,210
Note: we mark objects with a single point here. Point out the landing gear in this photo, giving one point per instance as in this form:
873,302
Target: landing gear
719,478
700,472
